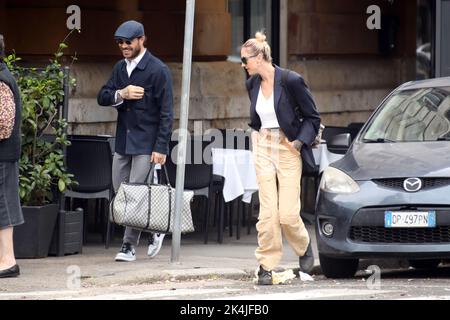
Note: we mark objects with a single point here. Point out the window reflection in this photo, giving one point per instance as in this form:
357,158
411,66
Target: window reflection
236,10
260,18
414,115
424,39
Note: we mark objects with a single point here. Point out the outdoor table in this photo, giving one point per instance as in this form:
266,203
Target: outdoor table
237,167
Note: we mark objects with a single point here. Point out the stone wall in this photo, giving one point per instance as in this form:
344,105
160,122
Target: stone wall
345,91
218,97
348,90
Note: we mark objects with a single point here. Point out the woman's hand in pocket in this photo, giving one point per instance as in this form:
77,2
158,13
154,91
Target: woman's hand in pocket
297,145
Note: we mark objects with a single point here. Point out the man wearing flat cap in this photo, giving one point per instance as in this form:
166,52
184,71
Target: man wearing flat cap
140,88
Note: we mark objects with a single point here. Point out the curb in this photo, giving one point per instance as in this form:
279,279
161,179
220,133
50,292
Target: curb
133,278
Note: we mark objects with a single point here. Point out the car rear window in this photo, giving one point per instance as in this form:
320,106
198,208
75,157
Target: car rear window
412,115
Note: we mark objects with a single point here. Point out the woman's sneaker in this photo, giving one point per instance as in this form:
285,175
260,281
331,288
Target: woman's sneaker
264,277
307,260
155,244
126,253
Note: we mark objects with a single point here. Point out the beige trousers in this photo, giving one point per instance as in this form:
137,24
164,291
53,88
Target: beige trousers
278,169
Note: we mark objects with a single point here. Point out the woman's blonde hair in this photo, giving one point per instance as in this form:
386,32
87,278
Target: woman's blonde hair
258,45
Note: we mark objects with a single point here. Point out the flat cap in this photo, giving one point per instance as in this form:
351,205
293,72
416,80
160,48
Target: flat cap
129,30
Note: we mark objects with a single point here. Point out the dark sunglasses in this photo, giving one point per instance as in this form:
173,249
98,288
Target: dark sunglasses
244,60
121,41
127,42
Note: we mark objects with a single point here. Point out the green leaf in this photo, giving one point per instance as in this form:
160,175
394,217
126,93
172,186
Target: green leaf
61,185
45,102
41,165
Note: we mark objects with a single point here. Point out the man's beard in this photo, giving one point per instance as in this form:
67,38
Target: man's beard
135,52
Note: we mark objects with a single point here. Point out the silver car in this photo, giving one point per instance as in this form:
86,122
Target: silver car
389,196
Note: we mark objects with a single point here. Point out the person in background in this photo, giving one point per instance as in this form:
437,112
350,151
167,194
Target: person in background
140,88
281,145
10,208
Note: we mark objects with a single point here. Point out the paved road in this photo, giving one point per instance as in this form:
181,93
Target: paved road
389,285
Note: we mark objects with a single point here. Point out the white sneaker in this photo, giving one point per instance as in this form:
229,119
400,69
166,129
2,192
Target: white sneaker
155,245
126,253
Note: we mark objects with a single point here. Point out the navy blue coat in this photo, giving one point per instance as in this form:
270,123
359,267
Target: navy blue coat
303,129
143,125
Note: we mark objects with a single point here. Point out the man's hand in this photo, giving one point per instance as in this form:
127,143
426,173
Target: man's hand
132,92
158,158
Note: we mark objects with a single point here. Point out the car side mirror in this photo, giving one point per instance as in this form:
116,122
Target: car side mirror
339,143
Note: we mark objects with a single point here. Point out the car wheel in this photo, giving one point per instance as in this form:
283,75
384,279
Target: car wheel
338,268
424,263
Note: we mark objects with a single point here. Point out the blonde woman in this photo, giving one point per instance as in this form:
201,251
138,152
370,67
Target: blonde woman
281,146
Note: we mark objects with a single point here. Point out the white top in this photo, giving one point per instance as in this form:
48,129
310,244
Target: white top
131,64
265,108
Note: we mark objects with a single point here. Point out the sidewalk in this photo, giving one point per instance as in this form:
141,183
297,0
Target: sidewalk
234,259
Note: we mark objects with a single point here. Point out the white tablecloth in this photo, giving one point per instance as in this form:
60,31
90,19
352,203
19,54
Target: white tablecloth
237,167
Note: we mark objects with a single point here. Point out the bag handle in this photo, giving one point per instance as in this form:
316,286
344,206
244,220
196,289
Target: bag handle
152,172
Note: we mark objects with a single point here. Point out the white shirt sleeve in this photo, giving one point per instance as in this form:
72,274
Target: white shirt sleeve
118,99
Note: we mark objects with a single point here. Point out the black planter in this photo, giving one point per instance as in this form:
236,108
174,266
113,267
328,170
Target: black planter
32,239
68,235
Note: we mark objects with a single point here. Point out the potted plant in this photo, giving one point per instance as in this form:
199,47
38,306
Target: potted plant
42,171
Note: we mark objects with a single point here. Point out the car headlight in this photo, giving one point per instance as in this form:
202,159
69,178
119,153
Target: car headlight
336,181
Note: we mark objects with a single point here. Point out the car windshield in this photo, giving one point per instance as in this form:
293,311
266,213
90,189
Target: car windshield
412,115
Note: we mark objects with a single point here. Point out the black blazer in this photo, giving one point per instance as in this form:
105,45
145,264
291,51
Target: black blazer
304,128
143,125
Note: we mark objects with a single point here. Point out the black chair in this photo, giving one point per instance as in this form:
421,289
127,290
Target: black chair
89,159
354,128
198,174
241,139
229,139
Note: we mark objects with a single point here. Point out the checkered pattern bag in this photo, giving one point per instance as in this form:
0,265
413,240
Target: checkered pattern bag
150,207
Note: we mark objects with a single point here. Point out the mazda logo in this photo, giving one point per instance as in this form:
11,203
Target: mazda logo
412,184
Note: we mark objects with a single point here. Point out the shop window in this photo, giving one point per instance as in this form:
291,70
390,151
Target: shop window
424,39
250,16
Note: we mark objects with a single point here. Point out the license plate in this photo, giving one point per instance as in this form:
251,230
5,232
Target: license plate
410,219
